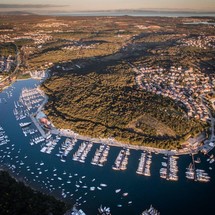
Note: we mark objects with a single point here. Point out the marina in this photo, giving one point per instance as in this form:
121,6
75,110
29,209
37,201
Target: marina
121,160
144,164
151,211
169,169
55,172
100,156
3,137
66,147
82,152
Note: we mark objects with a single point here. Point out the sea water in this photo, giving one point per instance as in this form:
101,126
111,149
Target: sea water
71,180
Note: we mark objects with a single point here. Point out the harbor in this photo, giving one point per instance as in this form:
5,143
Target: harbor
46,163
101,155
121,160
144,164
169,168
29,106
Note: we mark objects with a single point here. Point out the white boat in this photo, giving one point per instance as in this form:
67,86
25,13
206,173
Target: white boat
92,188
24,124
117,191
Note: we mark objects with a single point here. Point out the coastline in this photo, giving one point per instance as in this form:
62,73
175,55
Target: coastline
33,192
74,168
111,141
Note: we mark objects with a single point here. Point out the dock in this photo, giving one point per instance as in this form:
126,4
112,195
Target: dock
42,132
121,160
150,211
144,164
82,152
100,156
170,169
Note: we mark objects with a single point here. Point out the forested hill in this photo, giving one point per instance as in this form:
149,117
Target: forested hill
18,199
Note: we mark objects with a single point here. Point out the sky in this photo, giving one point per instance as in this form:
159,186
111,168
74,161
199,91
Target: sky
81,5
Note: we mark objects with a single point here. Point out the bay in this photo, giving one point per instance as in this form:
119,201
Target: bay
47,173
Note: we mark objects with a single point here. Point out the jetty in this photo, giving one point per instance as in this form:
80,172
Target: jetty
101,155
144,164
169,169
82,152
121,160
150,211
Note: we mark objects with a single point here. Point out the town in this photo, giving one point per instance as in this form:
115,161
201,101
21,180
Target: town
179,84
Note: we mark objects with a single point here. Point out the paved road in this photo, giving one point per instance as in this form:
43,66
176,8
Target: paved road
17,66
211,118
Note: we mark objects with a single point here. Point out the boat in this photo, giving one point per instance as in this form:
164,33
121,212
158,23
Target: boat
164,164
212,161
198,160
92,188
24,124
104,210
151,210
117,191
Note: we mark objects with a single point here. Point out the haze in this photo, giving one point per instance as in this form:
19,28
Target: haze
73,5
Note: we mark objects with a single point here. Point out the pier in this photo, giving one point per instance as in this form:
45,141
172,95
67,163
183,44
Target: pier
121,160
100,156
82,152
170,169
144,164
49,146
42,132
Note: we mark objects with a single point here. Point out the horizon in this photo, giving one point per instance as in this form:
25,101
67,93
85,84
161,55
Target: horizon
67,6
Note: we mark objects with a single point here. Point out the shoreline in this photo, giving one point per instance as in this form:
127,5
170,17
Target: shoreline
115,143
19,179
110,141
107,141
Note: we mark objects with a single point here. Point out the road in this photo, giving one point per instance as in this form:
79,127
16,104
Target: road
211,118
18,60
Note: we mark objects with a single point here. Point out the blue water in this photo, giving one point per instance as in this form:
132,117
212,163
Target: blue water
136,13
170,198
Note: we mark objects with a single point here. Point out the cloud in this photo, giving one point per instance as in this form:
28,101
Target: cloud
16,6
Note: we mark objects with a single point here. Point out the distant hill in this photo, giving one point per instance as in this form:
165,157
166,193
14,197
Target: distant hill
15,13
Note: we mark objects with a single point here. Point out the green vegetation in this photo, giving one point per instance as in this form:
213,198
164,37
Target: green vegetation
18,199
7,49
23,42
101,98
23,76
68,55
103,101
